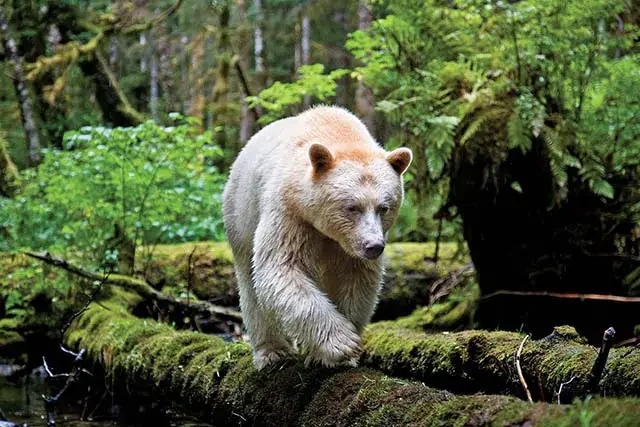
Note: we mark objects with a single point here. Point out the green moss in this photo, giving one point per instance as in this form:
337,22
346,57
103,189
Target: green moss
212,273
217,381
483,361
412,256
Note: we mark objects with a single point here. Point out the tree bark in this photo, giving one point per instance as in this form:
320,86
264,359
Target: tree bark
26,107
216,381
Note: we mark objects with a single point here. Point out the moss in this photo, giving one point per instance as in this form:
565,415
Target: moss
472,361
453,313
211,268
216,380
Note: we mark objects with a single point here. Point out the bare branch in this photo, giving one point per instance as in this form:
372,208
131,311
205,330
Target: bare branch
569,295
522,381
564,384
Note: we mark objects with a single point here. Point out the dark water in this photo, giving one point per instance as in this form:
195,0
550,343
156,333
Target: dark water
22,403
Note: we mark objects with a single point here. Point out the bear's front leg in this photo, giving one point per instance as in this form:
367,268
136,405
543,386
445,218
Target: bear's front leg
305,312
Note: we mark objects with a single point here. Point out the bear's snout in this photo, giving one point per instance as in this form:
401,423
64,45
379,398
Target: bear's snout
373,249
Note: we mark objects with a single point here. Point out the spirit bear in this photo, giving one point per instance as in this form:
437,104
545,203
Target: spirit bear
307,206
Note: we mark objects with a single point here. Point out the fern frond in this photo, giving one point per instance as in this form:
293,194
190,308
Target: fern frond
519,136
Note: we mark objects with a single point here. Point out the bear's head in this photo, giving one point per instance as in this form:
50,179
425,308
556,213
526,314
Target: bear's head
355,196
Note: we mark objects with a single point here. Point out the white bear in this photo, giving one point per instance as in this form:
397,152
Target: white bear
307,206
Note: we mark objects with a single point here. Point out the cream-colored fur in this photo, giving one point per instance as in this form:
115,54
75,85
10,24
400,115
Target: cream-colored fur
306,210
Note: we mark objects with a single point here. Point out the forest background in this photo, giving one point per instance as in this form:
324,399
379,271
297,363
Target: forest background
119,121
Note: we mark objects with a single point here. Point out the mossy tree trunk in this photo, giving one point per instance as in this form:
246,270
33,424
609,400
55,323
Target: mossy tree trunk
217,382
523,240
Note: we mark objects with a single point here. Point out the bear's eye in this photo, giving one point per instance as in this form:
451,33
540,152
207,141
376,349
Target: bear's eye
383,209
354,209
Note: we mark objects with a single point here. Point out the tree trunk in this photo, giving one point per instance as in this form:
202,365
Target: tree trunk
522,241
216,381
154,90
247,121
113,103
305,41
26,108
221,85
364,95
258,45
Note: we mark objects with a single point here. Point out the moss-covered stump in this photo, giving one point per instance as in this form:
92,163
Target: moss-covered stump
206,268
472,361
217,382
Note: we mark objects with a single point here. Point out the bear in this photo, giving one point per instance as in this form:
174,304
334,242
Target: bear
307,207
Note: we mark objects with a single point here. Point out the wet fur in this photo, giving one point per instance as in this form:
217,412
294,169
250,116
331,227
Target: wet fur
298,256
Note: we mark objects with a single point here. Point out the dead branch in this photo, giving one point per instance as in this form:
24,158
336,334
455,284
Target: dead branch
562,385
522,381
601,361
142,288
592,297
245,85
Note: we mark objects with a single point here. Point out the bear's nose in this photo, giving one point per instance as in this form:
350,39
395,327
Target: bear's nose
373,250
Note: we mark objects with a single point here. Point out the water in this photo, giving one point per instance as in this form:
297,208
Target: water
22,403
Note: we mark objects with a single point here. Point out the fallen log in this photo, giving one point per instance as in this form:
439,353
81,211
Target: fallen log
475,360
141,288
206,269
216,381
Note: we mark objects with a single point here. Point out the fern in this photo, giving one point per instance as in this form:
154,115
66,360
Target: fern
519,136
602,188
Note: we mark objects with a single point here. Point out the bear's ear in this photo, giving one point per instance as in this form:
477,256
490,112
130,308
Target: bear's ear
400,159
321,158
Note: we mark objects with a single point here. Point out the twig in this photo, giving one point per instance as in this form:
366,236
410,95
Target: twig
522,381
591,297
601,360
564,384
50,402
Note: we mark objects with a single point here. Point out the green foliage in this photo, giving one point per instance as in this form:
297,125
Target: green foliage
156,184
279,99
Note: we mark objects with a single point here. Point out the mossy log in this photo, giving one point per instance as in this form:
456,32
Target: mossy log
216,381
475,360
207,269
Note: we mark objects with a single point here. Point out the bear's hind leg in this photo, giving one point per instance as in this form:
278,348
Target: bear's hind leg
269,346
